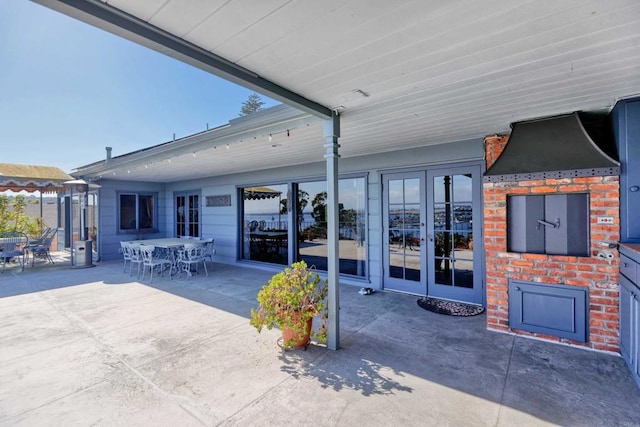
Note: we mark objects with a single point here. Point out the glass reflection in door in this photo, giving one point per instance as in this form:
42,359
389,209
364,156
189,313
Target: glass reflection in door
404,251
188,215
453,230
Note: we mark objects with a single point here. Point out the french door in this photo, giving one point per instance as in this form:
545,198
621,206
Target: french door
188,215
404,232
430,221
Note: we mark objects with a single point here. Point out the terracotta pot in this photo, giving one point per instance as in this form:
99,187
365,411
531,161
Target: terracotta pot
301,339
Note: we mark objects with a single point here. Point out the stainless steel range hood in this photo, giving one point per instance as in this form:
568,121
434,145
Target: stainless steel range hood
570,145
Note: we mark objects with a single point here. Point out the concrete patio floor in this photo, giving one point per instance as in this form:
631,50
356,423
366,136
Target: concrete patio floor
96,347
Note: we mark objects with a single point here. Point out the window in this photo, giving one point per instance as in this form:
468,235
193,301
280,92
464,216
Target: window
265,224
137,211
312,225
265,228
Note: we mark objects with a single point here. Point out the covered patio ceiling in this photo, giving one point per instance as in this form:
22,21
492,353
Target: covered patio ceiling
401,74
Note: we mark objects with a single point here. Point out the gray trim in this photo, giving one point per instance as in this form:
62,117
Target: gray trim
109,18
578,173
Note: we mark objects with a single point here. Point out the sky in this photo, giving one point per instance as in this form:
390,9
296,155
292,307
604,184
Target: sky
68,90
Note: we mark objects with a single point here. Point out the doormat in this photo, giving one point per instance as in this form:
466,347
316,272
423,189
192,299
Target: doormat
451,308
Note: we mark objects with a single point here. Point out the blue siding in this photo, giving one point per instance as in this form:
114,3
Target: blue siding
109,237
221,223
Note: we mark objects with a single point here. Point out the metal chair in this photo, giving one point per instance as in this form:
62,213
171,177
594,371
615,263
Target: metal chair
126,254
40,240
12,247
210,250
135,257
151,262
192,255
42,250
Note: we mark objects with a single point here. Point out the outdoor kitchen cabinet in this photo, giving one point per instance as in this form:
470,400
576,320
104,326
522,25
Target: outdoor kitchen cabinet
626,130
630,309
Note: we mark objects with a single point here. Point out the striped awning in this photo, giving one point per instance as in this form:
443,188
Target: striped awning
45,179
255,193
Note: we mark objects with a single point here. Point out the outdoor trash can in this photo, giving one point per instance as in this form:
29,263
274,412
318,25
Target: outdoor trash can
83,253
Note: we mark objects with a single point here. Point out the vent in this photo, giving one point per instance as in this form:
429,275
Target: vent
557,147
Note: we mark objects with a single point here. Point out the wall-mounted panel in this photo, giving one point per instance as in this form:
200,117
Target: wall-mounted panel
525,235
555,310
570,215
554,224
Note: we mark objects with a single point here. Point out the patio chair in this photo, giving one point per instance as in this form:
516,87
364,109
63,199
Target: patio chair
126,255
135,257
32,243
42,250
12,247
210,250
192,255
151,262
40,240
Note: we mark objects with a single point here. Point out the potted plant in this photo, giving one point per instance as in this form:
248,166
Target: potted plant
291,300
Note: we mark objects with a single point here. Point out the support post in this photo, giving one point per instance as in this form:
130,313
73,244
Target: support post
331,135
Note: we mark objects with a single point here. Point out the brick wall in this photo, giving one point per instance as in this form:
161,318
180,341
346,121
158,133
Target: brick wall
598,275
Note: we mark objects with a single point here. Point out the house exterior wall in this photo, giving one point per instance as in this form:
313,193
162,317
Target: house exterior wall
109,237
221,223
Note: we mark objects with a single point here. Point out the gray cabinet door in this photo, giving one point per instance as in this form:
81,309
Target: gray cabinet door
627,290
626,127
635,335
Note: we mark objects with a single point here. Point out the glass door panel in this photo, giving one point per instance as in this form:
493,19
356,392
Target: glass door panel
188,215
454,217
403,218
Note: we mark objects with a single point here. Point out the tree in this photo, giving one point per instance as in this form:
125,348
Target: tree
13,218
251,105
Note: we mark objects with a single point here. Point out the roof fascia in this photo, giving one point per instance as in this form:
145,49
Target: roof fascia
270,121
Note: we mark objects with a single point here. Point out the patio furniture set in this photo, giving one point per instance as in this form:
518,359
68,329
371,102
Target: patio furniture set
174,255
17,247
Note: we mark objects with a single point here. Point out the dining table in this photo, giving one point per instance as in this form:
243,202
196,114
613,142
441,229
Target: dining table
171,246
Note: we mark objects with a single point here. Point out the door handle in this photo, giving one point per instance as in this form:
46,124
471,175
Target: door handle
548,224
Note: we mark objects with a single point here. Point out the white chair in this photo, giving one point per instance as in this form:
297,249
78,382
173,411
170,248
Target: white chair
151,262
192,255
126,254
135,257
